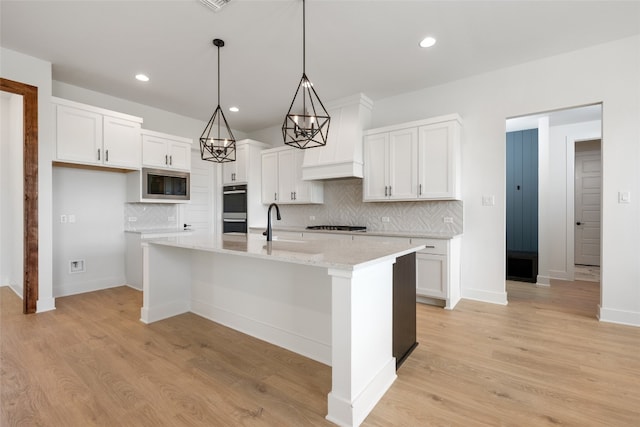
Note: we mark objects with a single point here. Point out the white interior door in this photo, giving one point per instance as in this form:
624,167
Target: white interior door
588,172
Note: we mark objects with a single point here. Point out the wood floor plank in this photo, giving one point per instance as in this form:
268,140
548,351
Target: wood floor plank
542,360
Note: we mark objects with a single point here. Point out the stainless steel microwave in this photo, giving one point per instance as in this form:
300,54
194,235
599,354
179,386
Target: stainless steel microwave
165,184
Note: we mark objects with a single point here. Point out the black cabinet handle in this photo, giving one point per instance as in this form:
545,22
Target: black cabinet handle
578,223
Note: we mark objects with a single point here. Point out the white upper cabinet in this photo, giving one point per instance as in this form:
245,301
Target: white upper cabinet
403,172
391,171
282,178
161,150
413,161
237,172
95,136
439,161
376,167
269,176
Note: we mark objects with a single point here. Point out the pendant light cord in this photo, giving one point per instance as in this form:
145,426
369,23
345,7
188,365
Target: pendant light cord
304,41
218,75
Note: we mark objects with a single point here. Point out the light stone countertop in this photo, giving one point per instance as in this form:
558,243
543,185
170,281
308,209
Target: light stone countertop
445,235
339,254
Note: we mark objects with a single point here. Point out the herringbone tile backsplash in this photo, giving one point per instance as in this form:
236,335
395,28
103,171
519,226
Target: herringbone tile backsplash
150,216
343,205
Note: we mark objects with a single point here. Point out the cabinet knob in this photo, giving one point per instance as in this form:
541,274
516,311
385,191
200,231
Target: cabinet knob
170,160
389,191
106,155
419,189
98,154
386,191
166,159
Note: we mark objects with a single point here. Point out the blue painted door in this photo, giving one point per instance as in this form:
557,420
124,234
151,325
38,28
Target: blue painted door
522,191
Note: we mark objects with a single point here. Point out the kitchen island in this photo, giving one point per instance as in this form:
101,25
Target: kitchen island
329,300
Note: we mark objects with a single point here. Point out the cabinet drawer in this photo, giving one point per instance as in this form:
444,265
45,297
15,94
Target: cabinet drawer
433,246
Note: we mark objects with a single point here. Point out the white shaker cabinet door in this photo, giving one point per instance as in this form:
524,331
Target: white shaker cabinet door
376,167
122,145
236,172
78,135
403,164
438,161
180,156
287,176
270,177
431,275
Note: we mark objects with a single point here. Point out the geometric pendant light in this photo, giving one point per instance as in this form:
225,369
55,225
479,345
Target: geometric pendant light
306,124
217,143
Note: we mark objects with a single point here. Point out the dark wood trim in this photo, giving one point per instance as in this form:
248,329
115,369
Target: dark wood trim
30,161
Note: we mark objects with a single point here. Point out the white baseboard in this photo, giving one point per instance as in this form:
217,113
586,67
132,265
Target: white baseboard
485,296
160,312
345,413
623,317
65,290
45,304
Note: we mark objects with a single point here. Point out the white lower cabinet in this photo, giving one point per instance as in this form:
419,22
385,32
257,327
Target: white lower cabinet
437,268
438,271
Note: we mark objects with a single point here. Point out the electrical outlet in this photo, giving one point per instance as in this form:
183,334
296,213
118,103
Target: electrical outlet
385,219
132,219
447,220
76,266
63,219
72,219
312,218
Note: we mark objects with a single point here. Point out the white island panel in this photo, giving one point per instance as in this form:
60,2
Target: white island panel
285,304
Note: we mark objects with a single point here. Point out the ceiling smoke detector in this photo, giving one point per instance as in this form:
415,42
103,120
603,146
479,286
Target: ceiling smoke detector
215,5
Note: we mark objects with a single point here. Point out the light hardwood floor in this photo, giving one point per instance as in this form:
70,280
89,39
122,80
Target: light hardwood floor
542,360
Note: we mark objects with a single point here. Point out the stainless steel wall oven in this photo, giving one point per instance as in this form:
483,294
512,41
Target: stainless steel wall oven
234,209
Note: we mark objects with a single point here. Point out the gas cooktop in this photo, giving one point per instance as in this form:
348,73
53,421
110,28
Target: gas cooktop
337,227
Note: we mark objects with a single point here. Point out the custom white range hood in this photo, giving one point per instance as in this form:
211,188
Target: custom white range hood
342,157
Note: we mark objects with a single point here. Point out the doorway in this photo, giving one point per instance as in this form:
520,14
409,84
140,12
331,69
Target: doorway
30,187
562,134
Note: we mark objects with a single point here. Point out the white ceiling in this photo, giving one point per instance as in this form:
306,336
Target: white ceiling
352,46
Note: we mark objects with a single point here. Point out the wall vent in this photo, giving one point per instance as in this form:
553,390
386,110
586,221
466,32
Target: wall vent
215,5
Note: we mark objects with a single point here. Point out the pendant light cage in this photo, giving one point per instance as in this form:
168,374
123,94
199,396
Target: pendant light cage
306,124
217,143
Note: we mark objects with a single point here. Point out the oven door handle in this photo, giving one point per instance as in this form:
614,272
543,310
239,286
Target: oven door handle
233,220
235,192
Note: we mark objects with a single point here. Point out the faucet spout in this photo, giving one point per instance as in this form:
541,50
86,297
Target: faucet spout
268,232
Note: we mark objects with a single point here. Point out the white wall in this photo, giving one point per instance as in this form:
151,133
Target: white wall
556,231
11,192
36,72
96,199
607,73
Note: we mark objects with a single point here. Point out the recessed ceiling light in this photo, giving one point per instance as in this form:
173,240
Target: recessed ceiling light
427,42
142,77
234,109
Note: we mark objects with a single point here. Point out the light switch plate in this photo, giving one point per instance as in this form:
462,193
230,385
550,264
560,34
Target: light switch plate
488,200
624,197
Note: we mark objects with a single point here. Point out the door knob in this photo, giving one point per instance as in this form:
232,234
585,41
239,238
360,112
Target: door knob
578,223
